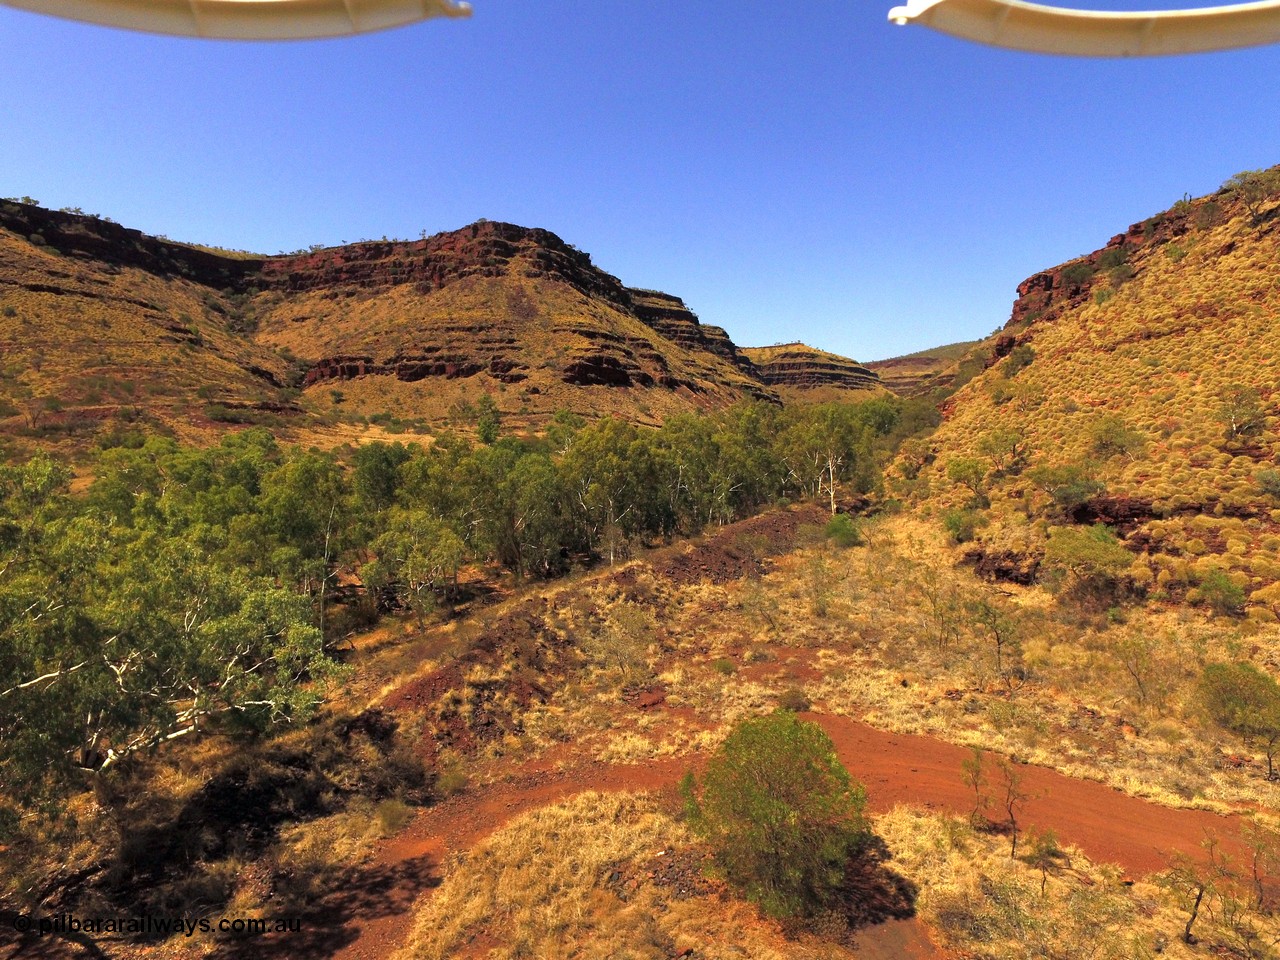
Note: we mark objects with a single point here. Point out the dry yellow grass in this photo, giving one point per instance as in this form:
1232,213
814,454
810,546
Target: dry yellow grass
541,887
1158,354
993,907
897,645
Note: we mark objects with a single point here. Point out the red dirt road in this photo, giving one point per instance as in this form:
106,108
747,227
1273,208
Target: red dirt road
1107,825
370,917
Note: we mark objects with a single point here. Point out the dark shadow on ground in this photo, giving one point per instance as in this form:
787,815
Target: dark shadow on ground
872,893
361,895
50,946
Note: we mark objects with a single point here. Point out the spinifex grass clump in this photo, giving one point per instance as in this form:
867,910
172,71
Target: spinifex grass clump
781,813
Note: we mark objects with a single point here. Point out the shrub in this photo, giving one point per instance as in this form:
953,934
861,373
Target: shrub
1269,482
1077,275
961,525
391,816
971,473
1112,436
794,699
1208,214
1094,556
842,530
1241,412
724,666
1068,485
1020,357
1004,449
1246,701
1112,258
781,814
1253,188
1001,391
1120,275
1222,594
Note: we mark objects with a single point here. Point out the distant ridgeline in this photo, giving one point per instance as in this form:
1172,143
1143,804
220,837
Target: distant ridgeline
102,323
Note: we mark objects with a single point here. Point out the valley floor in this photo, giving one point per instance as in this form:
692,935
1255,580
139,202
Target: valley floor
563,717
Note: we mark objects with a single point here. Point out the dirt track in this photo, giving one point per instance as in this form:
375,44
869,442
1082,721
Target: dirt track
371,915
1107,825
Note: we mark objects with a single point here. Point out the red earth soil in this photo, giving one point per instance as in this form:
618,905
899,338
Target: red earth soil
371,917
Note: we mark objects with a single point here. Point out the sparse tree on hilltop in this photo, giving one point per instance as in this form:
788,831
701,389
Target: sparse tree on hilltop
1254,188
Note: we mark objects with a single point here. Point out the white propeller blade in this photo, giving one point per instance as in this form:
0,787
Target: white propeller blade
1097,33
249,19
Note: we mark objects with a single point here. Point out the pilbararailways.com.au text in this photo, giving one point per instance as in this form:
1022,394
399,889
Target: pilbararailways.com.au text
151,926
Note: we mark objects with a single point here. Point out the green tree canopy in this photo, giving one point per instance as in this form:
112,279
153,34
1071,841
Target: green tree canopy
118,639
781,813
1093,555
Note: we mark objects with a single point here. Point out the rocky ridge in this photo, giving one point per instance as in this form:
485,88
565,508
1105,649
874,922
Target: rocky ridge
799,368
490,308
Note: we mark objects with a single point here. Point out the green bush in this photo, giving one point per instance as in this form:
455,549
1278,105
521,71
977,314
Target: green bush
842,530
1112,258
1077,275
1208,214
1111,436
1069,485
1269,482
971,473
1222,594
1246,701
1093,555
781,814
724,666
1020,357
961,525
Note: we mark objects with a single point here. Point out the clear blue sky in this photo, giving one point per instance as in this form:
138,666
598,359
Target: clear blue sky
794,171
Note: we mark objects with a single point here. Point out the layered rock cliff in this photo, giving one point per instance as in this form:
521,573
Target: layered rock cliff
406,330
801,372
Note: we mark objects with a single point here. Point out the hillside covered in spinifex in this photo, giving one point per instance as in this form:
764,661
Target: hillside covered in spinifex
1134,387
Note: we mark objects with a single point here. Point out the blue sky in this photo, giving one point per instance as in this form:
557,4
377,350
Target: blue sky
794,171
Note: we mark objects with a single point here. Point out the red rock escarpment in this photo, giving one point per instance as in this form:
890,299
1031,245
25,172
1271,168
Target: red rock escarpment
486,249
797,366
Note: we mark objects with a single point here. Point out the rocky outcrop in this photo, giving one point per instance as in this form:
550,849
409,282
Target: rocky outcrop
486,249
1007,566
1045,296
413,368
676,322
92,238
797,366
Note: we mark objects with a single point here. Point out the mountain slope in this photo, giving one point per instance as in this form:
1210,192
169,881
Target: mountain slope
938,368
1151,366
103,326
492,307
99,324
